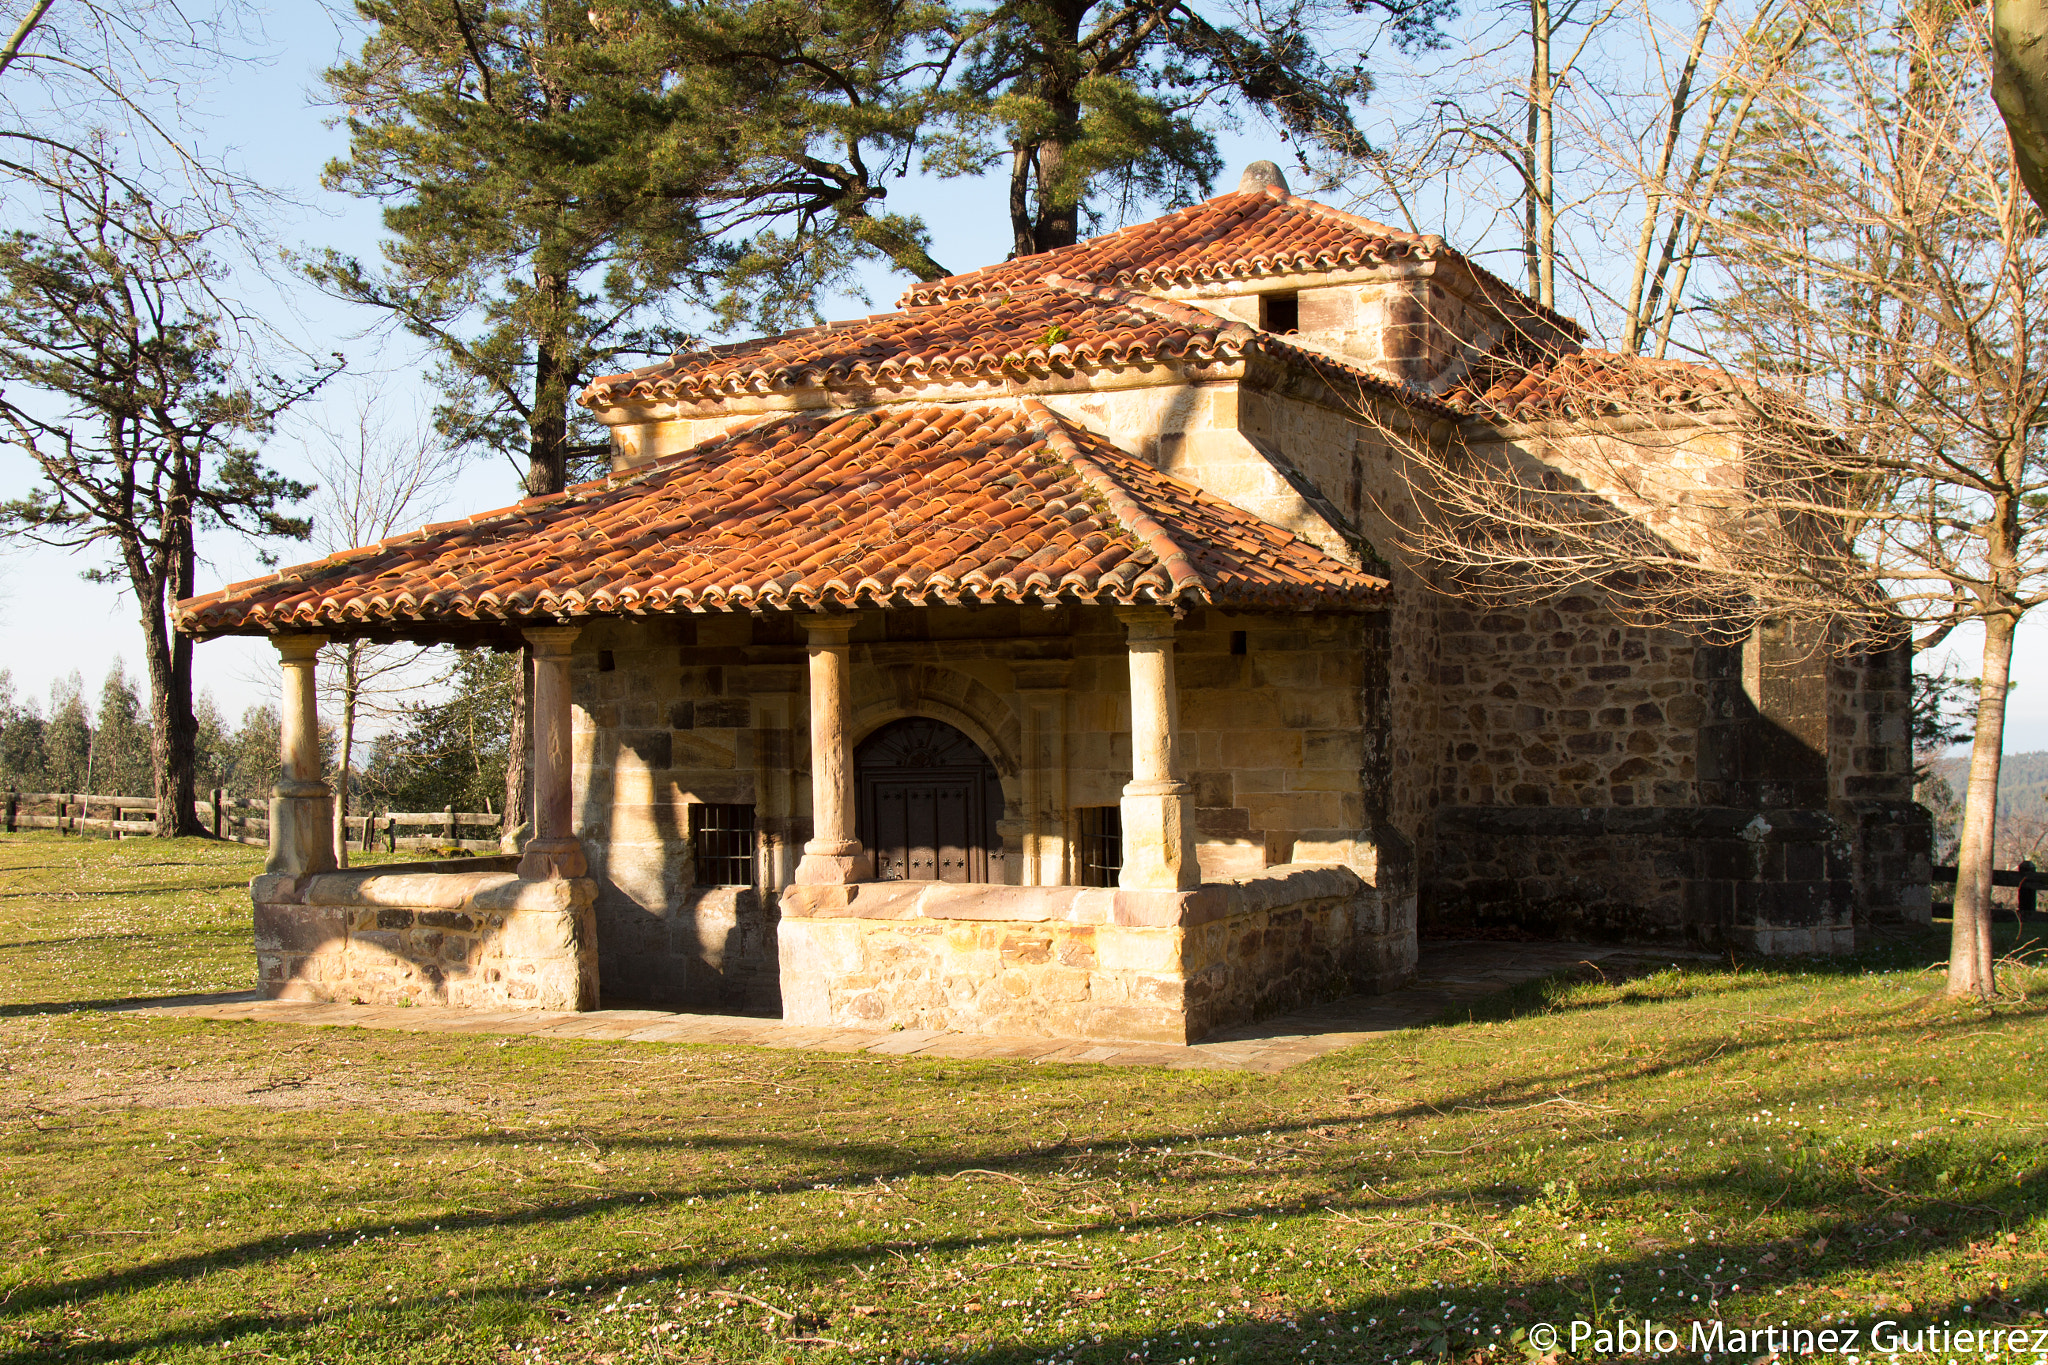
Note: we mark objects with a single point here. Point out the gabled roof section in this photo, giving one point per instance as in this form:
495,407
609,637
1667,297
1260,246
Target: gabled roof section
1042,327
1596,384
933,505
1248,235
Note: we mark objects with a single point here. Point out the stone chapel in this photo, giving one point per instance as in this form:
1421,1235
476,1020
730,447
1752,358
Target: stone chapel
1042,657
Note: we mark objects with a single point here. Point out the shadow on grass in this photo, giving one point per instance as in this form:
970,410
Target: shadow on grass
128,1002
1846,1221
1907,951
1409,1321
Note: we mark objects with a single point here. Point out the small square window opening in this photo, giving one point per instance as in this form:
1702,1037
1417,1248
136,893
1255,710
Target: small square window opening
722,844
1099,852
1280,313
1237,642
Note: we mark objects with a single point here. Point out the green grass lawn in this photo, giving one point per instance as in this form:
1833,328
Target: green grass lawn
1811,1144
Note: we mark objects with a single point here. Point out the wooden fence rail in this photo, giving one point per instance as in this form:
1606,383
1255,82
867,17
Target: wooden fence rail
243,819
2029,880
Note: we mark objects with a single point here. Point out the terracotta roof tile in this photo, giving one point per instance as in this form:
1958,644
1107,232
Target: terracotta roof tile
1247,235
898,506
1593,384
1041,327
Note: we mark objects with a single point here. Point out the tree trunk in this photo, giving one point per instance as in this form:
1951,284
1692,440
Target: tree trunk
1059,209
174,728
351,688
1532,269
1043,162
517,823
1969,956
1022,242
2019,85
1544,152
1660,184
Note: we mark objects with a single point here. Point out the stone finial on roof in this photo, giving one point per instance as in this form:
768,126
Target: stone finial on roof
1262,175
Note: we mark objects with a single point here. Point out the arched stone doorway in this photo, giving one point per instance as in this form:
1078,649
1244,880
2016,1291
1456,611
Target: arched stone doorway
928,803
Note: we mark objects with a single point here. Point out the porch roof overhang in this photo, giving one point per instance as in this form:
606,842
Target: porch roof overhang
889,507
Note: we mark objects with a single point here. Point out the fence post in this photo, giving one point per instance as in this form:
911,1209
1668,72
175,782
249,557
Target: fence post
453,833
13,807
2027,893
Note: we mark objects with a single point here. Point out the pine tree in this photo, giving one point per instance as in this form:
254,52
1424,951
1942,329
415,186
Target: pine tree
124,395
1089,101
540,188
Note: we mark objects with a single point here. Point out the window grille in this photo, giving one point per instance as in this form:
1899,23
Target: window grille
722,840
1099,854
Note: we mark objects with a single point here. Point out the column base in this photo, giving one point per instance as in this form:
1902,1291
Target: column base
834,862
301,834
550,860
1159,837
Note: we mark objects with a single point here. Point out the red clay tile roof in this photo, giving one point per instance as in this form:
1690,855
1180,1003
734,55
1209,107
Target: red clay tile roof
1593,384
1245,235
1043,327
907,506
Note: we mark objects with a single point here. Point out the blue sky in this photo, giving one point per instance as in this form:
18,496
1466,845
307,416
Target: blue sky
51,622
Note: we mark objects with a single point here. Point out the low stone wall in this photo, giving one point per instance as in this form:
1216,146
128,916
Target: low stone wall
428,934
1069,962
1776,881
710,949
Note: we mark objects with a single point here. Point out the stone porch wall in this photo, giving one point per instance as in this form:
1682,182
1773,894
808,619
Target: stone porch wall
1077,962
428,934
1285,715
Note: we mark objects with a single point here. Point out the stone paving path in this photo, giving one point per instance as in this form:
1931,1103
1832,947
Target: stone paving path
1449,975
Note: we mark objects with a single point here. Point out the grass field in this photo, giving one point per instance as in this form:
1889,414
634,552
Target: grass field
1809,1144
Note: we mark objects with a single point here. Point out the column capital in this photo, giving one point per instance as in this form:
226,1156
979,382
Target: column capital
828,630
551,641
1143,625
299,649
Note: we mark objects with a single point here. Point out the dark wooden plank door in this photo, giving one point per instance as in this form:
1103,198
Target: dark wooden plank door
928,802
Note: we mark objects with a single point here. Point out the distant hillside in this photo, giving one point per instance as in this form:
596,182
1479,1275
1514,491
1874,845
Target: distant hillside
2022,780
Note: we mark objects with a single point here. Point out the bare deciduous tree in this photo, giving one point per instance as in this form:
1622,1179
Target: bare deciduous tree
379,475
117,385
1880,466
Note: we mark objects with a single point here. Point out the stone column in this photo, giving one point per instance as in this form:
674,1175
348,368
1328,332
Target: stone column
1042,698
301,806
1158,812
555,851
833,855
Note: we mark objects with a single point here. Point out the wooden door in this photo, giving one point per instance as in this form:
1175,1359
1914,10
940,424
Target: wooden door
928,804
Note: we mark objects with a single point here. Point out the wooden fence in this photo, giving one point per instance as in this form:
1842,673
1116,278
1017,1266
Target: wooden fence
239,818
2026,878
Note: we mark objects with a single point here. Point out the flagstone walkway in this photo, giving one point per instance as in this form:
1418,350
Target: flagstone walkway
1450,975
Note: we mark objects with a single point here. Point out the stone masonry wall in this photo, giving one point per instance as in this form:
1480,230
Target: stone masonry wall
425,934
1282,714
1155,966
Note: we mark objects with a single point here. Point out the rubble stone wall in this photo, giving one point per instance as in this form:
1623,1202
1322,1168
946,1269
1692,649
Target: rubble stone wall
428,934
1113,965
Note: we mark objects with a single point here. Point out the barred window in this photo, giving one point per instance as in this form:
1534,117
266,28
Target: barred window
1099,854
722,840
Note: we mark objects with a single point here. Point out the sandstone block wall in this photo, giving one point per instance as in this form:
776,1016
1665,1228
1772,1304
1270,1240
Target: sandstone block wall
1285,717
425,934
1103,964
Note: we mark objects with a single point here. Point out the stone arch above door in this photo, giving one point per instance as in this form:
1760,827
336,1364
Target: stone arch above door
884,694
928,800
